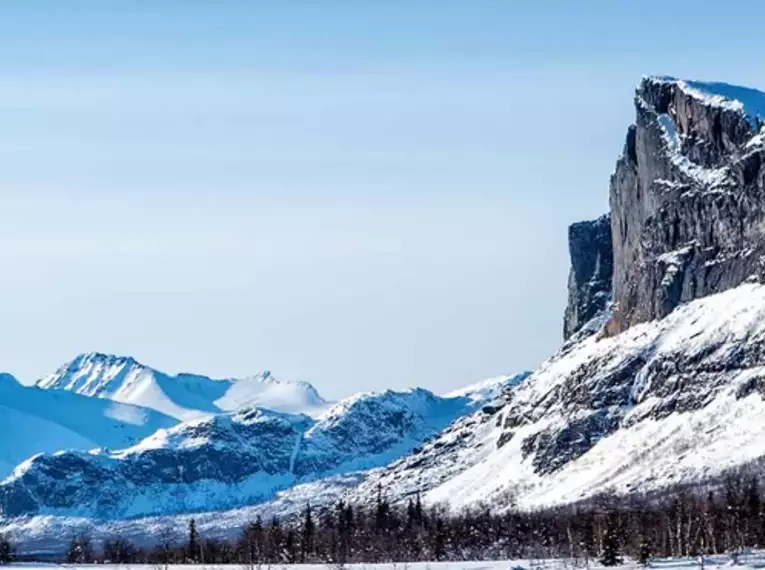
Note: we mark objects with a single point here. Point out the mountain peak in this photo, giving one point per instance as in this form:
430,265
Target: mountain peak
747,100
183,396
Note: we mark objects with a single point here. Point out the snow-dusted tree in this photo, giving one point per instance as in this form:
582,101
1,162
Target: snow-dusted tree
80,550
610,554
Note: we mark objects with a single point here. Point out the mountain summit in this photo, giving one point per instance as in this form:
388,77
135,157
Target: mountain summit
184,396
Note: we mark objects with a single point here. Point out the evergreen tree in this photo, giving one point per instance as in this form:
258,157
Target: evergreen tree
192,547
74,552
644,552
252,540
274,543
439,540
307,542
289,547
80,551
610,555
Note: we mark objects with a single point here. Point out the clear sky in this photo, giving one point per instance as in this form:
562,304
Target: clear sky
362,194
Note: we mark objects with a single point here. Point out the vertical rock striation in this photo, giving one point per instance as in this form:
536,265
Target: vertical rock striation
589,282
687,201
687,197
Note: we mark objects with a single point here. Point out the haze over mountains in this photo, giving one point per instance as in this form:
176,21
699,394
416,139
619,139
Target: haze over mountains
660,379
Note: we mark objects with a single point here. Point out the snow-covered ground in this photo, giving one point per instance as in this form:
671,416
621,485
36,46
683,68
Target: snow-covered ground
751,561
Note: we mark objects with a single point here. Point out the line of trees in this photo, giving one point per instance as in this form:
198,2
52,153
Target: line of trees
6,550
725,518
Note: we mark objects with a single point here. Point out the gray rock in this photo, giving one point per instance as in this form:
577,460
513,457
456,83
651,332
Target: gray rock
589,282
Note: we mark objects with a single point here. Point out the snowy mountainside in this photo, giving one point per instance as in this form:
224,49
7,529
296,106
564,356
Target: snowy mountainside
36,421
228,460
184,396
626,405
678,400
672,401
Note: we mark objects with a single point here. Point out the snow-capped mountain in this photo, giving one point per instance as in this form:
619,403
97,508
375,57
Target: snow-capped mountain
185,396
664,385
660,379
229,460
36,421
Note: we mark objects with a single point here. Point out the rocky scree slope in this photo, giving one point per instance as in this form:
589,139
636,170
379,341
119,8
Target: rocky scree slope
677,400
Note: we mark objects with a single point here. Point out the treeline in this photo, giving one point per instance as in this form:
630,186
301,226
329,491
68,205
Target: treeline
725,518
6,550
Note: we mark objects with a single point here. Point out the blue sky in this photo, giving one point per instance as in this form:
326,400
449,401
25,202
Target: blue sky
358,194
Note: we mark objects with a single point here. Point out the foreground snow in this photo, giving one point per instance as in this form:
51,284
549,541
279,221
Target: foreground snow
752,561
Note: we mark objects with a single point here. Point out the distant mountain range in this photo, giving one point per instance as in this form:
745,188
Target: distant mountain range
199,444
185,396
660,379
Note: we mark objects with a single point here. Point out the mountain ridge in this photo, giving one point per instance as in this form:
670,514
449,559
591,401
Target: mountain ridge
35,421
185,395
229,460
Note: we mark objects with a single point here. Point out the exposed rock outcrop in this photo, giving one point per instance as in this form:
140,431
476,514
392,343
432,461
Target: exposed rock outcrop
687,197
589,282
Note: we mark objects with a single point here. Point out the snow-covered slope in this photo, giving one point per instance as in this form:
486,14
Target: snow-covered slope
185,396
489,390
229,460
36,421
672,401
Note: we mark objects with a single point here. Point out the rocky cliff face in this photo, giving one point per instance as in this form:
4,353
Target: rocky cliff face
687,197
676,396
589,282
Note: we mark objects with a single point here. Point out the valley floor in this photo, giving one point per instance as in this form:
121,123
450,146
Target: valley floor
751,561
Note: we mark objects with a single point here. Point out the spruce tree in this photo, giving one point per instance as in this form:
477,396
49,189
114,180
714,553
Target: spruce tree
644,552
309,528
610,555
74,552
192,549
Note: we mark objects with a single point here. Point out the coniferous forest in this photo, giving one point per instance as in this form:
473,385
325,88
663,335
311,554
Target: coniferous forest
725,518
